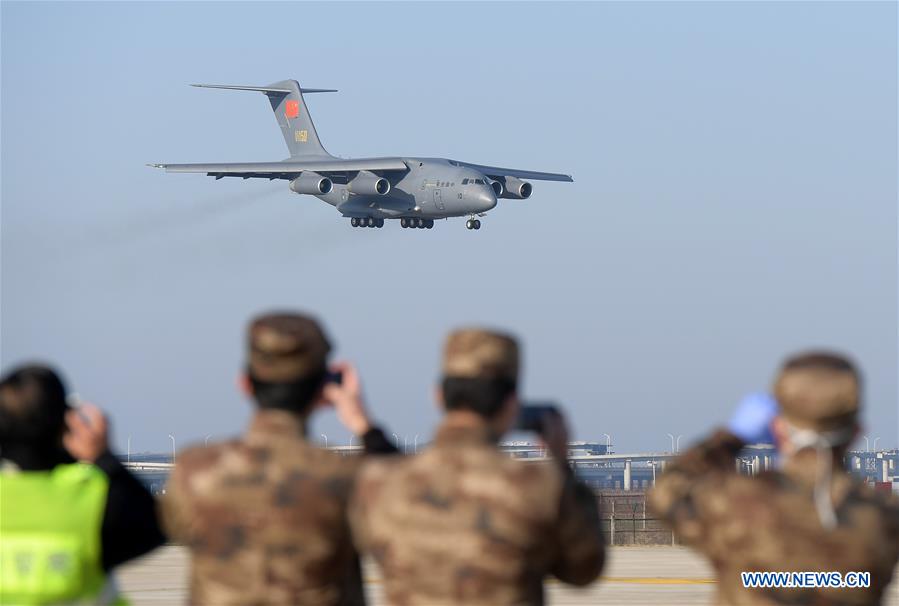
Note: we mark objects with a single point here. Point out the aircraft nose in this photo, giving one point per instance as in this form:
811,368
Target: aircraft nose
486,199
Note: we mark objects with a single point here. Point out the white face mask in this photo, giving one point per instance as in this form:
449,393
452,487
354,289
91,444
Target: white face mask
823,442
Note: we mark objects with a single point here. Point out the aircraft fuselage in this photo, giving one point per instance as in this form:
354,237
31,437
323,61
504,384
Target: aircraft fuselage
432,188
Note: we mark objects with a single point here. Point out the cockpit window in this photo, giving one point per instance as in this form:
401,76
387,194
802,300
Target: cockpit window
464,181
479,181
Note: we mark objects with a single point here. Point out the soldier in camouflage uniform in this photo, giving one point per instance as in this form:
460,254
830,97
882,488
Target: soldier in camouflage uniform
809,515
264,515
463,523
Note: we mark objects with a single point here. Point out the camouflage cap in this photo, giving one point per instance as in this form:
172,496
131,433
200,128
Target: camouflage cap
819,390
472,353
286,347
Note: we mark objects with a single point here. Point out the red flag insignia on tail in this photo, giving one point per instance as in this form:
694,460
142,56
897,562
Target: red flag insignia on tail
292,109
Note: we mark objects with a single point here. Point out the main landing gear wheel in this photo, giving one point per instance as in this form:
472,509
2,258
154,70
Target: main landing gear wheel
417,223
473,224
366,222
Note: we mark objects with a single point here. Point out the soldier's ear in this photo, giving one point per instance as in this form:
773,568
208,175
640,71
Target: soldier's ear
780,433
244,386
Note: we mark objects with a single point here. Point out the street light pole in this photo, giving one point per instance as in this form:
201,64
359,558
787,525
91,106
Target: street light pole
396,440
875,444
672,442
415,444
129,449
173,448
326,439
206,441
866,443
677,448
608,442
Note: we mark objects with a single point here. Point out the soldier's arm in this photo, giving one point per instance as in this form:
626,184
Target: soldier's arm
346,397
708,463
375,442
130,527
580,550
173,510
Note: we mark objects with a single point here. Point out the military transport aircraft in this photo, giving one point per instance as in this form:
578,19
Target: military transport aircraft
369,190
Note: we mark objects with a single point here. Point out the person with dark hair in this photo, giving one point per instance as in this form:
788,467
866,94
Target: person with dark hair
264,515
808,516
69,511
462,522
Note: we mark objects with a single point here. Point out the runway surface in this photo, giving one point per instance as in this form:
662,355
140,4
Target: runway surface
633,575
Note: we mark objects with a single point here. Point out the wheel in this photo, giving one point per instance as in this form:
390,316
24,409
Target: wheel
380,223
469,224
417,223
354,222
367,222
404,223
429,224
477,224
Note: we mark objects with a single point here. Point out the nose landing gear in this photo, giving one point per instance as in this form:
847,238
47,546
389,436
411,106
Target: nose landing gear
473,224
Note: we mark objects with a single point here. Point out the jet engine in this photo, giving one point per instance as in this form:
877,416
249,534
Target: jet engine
311,183
516,189
498,188
369,184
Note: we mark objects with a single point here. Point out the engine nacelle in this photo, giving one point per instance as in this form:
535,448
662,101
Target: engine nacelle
516,189
311,183
498,188
369,184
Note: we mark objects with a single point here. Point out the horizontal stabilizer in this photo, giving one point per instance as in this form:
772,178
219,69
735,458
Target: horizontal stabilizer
266,89
287,170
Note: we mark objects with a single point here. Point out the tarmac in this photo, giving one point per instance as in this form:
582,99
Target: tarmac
633,575
645,576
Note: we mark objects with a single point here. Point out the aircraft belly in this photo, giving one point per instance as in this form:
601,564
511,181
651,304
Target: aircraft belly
380,207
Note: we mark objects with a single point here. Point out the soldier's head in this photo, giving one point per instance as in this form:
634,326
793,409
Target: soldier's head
480,375
819,393
287,357
32,410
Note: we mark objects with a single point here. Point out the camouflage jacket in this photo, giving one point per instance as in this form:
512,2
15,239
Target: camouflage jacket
264,518
463,523
769,523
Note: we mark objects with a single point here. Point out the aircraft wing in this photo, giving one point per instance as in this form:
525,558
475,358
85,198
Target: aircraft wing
496,171
288,169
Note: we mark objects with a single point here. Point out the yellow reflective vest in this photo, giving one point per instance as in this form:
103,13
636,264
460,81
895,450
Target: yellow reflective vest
50,547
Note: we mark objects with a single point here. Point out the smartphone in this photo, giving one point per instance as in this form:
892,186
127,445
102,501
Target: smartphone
532,415
334,376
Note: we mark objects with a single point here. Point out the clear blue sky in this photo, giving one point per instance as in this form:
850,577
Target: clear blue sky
734,200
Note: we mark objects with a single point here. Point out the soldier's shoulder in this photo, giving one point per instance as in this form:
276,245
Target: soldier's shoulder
866,494
547,473
375,474
330,463
378,468
200,456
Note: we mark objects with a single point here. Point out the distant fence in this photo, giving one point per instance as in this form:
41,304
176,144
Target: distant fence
626,521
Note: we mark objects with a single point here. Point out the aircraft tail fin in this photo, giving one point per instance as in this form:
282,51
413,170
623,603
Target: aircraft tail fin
286,98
